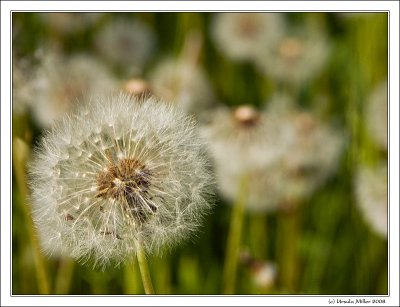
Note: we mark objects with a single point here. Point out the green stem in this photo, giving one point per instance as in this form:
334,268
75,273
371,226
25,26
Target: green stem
144,270
234,238
289,238
20,155
131,278
64,276
258,236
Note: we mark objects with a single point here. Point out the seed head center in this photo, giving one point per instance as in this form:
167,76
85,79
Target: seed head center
127,181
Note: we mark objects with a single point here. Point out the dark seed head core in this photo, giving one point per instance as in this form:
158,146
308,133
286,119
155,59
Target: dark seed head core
128,182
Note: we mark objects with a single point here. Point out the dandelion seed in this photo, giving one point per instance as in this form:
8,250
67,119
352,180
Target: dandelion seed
147,180
372,198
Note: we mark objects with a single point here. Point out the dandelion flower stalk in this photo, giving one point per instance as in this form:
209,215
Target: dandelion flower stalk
288,249
234,238
144,271
131,278
20,155
64,276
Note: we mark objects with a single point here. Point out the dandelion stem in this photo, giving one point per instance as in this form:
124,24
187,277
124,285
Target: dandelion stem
234,238
20,155
131,278
144,270
289,236
64,276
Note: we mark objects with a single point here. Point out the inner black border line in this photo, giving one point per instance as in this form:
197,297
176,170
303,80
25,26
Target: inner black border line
205,11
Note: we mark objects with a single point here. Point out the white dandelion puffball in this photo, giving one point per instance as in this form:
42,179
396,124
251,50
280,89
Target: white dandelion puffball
59,82
243,142
241,36
296,57
117,173
371,184
126,43
285,154
312,157
184,84
377,115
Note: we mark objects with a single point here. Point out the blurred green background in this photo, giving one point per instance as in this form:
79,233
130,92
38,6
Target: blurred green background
324,247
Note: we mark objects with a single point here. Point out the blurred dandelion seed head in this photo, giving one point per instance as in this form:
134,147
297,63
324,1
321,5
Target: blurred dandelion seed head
183,83
377,113
285,153
241,36
60,82
245,141
312,152
118,173
126,43
296,57
372,198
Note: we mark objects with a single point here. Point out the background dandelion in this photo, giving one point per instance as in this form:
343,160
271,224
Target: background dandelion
58,83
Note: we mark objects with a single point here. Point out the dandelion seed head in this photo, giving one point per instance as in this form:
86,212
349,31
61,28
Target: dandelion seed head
372,198
241,36
145,180
183,83
127,44
244,141
59,83
284,153
296,57
312,156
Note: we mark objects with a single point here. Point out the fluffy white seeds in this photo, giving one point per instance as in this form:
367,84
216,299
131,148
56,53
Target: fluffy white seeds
371,194
117,173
